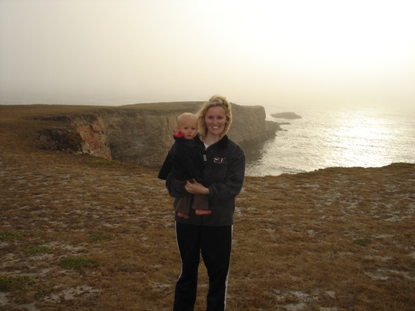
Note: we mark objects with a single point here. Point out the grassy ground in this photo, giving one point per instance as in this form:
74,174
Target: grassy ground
80,233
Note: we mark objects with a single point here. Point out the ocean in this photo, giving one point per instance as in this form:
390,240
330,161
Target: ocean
335,137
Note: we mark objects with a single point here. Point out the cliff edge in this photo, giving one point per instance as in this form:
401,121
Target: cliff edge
142,133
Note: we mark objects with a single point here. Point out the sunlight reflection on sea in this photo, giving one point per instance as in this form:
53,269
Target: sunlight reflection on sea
335,138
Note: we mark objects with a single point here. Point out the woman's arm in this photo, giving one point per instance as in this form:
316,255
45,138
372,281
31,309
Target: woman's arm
175,188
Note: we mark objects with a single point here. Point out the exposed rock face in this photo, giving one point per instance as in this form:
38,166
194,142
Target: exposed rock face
249,125
142,134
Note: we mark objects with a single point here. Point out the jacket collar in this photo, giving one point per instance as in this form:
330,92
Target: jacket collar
223,142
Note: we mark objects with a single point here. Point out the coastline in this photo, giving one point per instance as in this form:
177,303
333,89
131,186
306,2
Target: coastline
338,137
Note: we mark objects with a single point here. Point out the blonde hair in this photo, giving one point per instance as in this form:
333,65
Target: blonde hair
185,116
215,100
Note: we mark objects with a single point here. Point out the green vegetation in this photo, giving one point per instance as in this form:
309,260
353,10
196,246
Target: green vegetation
38,249
78,263
362,241
10,283
101,236
13,234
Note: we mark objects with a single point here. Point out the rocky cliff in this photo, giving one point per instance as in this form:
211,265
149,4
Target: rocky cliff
140,134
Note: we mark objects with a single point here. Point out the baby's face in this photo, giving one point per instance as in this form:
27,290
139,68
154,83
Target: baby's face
188,127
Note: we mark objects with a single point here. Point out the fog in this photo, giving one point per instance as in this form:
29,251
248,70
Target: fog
287,53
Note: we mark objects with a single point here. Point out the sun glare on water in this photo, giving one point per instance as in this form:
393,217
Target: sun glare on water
342,137
362,141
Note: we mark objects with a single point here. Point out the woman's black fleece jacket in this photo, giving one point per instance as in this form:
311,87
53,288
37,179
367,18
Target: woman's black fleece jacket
224,172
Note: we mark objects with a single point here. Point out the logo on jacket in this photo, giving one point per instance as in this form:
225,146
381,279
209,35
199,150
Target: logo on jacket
219,160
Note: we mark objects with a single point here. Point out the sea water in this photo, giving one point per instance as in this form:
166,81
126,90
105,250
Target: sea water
335,137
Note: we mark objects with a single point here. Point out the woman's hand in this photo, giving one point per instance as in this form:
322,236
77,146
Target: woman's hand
193,187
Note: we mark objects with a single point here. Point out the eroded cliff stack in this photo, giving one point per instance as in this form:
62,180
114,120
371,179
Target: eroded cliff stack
141,134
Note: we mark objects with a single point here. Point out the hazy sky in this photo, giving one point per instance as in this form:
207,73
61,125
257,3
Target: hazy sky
254,52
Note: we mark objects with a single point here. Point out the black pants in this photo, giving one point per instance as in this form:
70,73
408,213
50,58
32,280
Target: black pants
215,245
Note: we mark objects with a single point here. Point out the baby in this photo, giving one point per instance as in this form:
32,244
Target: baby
185,161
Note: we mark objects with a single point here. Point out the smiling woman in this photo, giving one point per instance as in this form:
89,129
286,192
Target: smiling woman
209,235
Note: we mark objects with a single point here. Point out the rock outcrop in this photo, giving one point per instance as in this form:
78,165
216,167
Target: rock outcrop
286,115
142,134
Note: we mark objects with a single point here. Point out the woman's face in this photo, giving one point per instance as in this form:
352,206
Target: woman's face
215,120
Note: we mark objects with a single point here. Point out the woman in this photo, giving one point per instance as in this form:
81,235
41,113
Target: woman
209,235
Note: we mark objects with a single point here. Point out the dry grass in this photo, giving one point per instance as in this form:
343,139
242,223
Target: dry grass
79,233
